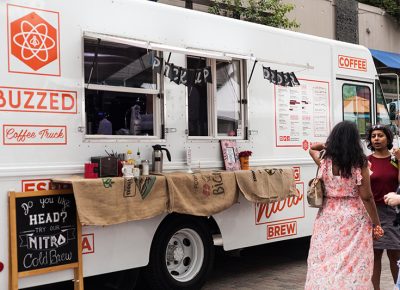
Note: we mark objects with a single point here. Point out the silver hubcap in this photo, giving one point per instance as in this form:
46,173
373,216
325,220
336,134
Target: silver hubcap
184,255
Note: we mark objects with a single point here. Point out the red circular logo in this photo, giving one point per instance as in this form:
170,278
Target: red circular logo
305,145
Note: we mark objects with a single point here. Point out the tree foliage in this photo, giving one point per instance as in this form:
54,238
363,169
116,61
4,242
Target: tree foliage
392,7
267,12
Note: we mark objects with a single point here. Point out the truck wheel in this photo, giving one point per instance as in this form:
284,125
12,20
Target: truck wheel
182,255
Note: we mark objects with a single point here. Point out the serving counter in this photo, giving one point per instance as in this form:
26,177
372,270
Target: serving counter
107,201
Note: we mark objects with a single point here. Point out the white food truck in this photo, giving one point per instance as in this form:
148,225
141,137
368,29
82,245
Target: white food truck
79,78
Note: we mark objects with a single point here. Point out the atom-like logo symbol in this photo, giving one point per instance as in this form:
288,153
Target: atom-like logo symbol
34,41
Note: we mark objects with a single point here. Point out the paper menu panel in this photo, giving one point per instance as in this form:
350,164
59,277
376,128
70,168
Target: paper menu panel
302,113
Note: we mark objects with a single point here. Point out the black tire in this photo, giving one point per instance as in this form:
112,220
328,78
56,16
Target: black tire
181,256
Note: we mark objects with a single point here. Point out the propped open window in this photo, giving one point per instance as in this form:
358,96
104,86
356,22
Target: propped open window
217,109
122,91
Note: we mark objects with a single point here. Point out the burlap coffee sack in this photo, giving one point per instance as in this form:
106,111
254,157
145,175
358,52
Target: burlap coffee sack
108,201
266,185
201,194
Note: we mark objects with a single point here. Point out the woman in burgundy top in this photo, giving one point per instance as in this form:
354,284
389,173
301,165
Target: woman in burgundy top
384,179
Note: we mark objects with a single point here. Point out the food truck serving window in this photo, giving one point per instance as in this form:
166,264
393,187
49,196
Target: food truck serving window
122,91
217,109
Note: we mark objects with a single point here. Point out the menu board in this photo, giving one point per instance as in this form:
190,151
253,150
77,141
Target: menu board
45,234
46,231
302,113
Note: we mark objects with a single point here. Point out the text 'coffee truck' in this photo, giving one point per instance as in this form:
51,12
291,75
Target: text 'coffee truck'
88,79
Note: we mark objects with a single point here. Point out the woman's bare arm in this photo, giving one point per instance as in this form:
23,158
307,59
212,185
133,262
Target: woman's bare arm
315,150
364,190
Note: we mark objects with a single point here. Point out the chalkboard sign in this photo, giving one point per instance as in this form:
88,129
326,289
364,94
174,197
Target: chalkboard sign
45,233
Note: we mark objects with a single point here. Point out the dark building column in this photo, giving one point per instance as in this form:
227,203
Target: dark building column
347,21
189,4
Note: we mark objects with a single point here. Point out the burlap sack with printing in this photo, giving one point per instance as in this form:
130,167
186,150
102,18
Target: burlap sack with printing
201,194
108,201
266,185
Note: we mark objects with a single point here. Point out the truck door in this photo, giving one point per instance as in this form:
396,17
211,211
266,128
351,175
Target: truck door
355,100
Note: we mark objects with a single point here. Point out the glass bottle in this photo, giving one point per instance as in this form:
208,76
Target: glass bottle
129,157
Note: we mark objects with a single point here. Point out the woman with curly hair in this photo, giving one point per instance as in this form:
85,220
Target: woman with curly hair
341,253
384,179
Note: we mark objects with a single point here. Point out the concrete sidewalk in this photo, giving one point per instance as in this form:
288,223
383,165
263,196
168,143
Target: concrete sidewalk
277,266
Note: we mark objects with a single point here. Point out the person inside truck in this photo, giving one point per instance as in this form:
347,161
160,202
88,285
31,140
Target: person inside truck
341,250
105,126
384,169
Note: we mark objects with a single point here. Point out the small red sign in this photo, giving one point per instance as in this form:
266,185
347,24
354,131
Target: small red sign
280,230
353,63
35,185
42,184
34,135
88,244
296,173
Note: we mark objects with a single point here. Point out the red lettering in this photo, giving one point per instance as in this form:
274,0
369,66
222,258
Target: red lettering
354,63
27,103
40,106
45,133
65,98
20,136
277,231
42,186
86,245
37,100
261,210
10,98
296,173
291,228
281,230
53,101
270,231
267,209
2,99
29,187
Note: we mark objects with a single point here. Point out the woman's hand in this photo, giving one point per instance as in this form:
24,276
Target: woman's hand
377,232
396,153
392,199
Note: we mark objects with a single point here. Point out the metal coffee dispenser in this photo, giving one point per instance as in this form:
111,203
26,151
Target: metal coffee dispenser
157,160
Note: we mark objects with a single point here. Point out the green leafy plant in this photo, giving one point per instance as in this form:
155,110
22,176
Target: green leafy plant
266,12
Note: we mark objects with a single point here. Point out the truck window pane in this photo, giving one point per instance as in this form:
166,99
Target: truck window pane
228,98
116,64
116,113
197,102
357,105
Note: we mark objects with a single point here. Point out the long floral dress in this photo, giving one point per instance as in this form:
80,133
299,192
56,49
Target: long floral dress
341,253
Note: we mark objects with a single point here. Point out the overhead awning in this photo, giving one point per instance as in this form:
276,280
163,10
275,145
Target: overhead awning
390,59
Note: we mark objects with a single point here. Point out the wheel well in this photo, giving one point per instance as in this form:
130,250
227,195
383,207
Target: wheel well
208,221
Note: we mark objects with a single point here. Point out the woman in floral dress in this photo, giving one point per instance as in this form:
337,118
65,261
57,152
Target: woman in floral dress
341,253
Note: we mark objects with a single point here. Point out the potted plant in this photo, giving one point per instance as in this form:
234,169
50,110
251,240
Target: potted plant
244,159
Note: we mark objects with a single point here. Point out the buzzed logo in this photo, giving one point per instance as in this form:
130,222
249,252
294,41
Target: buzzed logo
33,41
